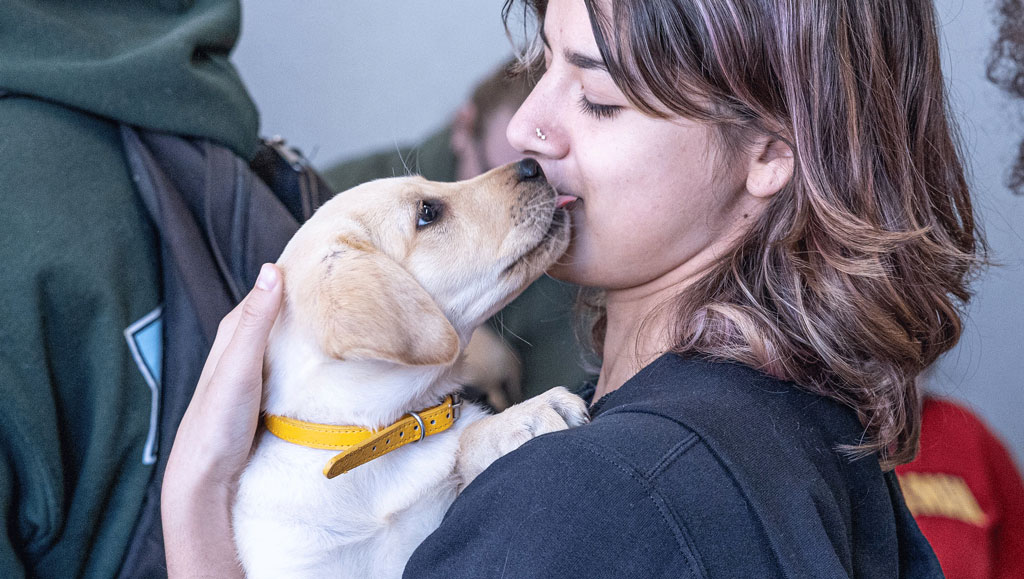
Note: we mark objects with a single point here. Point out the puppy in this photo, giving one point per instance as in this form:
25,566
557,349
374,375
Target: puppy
383,287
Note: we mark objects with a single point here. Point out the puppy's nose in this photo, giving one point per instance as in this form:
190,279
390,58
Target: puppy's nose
529,170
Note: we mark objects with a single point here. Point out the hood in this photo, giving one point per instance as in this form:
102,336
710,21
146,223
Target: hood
156,64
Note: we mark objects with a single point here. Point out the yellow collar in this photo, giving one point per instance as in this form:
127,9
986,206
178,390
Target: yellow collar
361,445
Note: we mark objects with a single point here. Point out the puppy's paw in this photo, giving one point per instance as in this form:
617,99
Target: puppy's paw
490,438
569,407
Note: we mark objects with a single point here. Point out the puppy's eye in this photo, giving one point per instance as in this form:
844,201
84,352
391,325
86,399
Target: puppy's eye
429,212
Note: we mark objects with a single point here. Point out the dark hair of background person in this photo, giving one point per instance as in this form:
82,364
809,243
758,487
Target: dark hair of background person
1005,68
854,278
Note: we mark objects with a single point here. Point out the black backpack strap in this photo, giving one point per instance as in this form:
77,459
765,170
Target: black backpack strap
184,241
219,220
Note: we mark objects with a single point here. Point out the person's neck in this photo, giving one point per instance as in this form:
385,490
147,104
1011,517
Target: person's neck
638,331
641,319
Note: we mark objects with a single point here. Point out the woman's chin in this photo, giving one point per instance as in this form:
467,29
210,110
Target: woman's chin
569,270
578,267
560,272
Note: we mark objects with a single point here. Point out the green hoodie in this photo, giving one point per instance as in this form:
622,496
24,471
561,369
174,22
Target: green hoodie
80,327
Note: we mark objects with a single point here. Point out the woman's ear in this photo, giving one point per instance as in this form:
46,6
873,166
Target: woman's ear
771,167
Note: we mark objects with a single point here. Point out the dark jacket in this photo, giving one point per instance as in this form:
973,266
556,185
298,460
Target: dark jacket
690,469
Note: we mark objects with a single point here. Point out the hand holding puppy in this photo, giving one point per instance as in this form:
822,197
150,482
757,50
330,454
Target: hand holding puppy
215,437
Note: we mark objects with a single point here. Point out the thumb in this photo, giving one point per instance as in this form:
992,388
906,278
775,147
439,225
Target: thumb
227,400
260,307
242,358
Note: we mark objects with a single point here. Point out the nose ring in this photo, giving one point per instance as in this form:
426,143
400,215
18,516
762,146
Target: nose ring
542,136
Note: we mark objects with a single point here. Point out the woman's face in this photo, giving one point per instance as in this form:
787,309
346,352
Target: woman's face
657,201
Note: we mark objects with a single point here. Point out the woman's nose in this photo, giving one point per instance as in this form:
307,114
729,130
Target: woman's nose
533,131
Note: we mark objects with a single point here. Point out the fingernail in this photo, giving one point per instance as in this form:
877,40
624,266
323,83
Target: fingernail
267,279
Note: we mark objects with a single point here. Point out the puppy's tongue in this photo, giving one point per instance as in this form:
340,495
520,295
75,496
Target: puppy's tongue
563,200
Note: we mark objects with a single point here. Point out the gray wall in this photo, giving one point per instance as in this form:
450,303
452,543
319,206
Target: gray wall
342,77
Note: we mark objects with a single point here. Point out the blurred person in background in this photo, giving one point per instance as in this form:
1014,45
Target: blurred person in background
1006,70
966,493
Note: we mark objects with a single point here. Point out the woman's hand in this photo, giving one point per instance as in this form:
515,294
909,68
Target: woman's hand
215,437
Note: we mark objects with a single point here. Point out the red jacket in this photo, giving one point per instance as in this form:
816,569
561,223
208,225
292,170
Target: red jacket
966,494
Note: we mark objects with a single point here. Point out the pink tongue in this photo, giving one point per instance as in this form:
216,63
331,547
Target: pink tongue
563,200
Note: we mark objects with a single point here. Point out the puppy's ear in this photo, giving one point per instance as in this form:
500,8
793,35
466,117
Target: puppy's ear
367,306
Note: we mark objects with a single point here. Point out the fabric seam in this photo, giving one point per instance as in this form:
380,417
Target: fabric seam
682,535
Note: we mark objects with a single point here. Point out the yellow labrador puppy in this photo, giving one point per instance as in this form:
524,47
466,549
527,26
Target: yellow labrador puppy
366,443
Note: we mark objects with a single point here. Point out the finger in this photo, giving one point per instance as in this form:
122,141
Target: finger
240,366
230,402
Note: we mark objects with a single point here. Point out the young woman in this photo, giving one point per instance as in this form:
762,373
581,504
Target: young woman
774,218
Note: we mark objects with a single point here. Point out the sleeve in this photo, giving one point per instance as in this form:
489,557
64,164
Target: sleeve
554,508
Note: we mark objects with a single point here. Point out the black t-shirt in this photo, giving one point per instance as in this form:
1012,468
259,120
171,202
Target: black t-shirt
691,469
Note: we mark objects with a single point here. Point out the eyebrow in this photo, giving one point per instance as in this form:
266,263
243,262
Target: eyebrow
585,62
578,59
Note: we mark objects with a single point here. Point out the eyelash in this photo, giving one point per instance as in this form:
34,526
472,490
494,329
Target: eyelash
598,111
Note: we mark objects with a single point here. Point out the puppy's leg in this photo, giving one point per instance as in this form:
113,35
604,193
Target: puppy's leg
490,438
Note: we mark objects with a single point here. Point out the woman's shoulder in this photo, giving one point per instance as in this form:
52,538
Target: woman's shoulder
770,436
634,489
739,412
772,447
737,415
683,472
572,503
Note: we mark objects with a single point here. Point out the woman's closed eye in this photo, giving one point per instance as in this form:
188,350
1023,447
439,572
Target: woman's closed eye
598,111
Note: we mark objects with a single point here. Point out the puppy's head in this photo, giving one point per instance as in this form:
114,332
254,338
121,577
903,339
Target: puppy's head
403,269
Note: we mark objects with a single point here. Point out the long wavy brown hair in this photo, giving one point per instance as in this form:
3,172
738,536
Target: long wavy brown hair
853,279
1006,70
